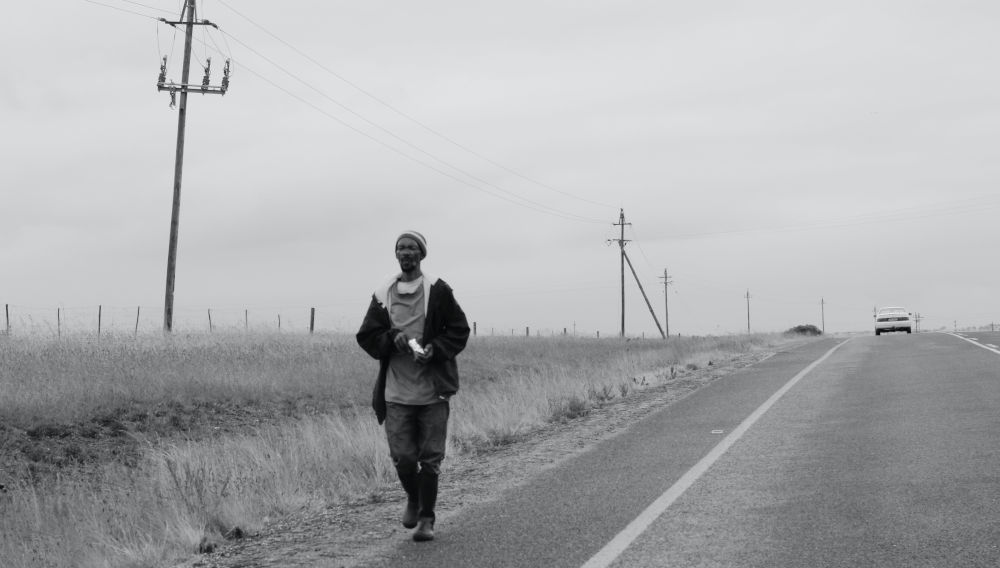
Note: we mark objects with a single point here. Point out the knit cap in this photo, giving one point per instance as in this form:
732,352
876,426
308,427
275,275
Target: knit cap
421,241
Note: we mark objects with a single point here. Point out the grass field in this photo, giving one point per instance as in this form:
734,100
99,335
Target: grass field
138,451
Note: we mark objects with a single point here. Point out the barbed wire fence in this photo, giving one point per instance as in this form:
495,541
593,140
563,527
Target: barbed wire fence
124,321
119,320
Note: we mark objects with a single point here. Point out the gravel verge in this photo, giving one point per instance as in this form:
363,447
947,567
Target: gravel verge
358,534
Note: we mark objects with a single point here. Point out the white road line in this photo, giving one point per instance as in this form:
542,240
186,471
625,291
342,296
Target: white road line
994,349
993,346
613,549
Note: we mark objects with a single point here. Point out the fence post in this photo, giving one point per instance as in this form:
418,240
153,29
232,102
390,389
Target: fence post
246,320
58,322
137,310
312,320
279,322
527,331
99,307
210,330
6,309
473,329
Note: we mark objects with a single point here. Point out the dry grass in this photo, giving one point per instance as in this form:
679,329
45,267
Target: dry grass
195,478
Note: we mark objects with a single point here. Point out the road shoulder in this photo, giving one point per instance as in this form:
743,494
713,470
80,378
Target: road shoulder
355,534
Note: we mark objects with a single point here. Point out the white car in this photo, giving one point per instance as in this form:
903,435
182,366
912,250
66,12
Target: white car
893,319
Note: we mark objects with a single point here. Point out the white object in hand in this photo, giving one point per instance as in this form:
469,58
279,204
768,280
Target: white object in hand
416,347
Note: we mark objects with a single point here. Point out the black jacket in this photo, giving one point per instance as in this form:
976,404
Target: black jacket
445,327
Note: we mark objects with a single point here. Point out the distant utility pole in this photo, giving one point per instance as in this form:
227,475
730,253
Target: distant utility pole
748,310
666,301
822,314
621,244
188,21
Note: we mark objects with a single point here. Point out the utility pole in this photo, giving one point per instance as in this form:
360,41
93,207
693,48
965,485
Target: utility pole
621,244
188,21
822,314
748,310
666,301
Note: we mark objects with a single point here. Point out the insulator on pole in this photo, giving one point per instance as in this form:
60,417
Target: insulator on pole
208,72
225,78
163,73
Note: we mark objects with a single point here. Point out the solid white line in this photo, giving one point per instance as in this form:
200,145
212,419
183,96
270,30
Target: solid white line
995,348
613,549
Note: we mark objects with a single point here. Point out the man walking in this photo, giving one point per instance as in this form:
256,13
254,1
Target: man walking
415,328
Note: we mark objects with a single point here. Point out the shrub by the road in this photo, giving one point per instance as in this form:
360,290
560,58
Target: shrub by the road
808,330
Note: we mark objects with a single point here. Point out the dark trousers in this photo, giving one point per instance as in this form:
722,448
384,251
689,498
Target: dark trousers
417,436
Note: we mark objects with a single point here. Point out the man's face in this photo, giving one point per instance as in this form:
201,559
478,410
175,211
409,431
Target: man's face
408,254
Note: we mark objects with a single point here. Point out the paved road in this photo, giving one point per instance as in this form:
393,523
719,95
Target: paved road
883,453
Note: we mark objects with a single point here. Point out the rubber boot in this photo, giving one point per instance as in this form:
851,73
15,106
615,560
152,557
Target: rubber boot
411,485
425,530
428,491
427,488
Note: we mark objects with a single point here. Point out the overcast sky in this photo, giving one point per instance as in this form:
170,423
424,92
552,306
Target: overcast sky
802,151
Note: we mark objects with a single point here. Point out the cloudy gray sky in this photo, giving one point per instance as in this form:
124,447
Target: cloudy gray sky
844,151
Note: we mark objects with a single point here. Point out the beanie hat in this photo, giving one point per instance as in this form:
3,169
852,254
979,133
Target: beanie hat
421,241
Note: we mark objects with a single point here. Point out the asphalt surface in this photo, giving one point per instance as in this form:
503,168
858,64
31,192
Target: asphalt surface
884,454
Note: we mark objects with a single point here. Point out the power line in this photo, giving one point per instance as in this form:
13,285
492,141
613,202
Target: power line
120,9
523,201
528,203
635,238
407,116
886,216
405,141
158,9
547,211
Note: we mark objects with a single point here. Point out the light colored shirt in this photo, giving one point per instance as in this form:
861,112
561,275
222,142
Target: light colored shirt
408,382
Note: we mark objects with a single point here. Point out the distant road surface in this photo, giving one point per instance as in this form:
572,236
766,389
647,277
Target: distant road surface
875,451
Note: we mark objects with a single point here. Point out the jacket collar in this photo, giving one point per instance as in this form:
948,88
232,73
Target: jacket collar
382,292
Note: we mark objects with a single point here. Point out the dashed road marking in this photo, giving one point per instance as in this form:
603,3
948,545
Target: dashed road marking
613,549
992,348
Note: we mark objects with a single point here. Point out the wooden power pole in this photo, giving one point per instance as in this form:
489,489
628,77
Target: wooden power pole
666,302
189,22
822,314
624,258
748,310
621,244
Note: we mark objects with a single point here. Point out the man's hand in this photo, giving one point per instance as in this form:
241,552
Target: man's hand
401,343
426,356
